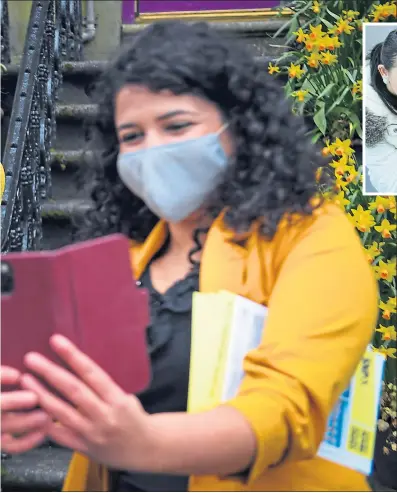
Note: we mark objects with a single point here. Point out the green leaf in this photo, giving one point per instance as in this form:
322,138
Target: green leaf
284,27
338,100
289,54
353,117
290,23
335,16
288,89
326,90
352,61
326,23
349,75
316,137
353,197
320,119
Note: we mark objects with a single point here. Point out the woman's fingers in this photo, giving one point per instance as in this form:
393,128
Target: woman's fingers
86,369
68,385
21,423
67,438
56,407
9,376
18,400
12,445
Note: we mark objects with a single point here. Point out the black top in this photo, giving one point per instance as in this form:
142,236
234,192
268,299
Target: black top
168,336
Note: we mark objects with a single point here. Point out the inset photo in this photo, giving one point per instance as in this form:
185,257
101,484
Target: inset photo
380,109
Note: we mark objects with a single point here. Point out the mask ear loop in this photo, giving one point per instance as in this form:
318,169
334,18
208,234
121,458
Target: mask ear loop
223,128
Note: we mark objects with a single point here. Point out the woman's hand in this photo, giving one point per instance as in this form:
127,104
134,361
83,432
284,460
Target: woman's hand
21,427
100,420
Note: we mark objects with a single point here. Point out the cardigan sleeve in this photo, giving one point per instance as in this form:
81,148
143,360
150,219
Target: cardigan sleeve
322,312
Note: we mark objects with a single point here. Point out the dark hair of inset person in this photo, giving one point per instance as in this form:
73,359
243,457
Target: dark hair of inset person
384,54
273,171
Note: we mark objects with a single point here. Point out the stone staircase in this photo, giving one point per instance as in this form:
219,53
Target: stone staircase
68,156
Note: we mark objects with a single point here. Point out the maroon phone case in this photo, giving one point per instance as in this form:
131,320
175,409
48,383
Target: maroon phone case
87,293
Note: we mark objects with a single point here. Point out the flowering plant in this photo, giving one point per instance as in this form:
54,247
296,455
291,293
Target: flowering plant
324,70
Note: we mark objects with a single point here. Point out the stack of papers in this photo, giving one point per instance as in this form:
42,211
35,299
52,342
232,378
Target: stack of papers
225,327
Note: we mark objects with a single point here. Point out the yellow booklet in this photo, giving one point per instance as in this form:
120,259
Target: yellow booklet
225,327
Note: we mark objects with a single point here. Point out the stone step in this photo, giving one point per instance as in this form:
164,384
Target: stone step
69,159
55,210
43,469
260,34
93,68
75,111
248,28
87,67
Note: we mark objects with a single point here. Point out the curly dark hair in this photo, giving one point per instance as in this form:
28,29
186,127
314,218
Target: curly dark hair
273,172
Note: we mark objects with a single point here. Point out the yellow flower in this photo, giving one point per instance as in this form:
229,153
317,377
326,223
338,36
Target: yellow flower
388,352
392,204
300,95
295,71
350,14
388,308
358,87
388,333
340,183
310,45
300,35
341,167
327,149
341,148
316,32
374,251
381,204
341,200
329,58
386,271
316,7
390,305
343,26
385,228
382,12
352,174
331,43
363,220
273,69
313,60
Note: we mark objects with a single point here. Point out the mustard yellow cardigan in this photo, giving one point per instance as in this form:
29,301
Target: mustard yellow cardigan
322,300
2,181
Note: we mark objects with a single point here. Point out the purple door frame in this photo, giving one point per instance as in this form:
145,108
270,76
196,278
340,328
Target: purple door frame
160,6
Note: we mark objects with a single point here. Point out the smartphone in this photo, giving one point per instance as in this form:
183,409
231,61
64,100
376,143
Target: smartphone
85,292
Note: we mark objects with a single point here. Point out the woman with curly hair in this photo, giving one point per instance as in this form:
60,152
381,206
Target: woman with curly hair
200,162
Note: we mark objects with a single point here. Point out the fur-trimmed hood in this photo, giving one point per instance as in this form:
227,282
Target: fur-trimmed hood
380,121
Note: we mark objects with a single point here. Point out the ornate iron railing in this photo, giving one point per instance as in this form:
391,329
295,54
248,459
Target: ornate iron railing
54,34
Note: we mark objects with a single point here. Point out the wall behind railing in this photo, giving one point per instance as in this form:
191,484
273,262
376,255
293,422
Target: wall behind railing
108,15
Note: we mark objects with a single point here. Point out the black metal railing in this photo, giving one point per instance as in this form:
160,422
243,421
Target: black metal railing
53,36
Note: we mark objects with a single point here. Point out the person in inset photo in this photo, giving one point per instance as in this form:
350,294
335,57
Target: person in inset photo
380,104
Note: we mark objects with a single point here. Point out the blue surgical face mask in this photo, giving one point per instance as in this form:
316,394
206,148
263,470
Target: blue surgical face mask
174,180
